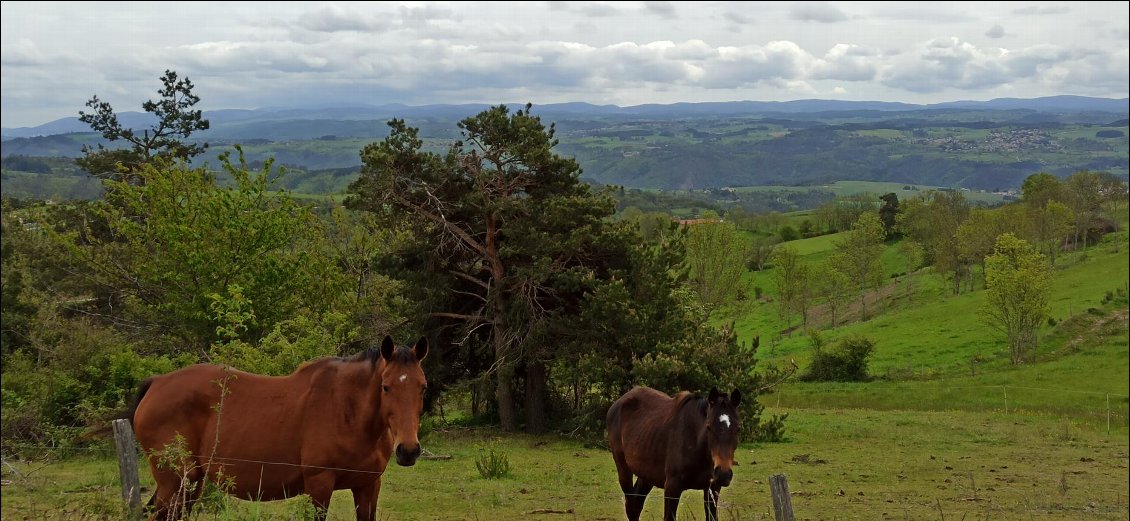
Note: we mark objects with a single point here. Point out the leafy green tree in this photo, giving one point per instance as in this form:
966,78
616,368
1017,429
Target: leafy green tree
761,251
858,254
176,240
792,279
888,213
932,220
1085,197
176,121
1048,226
17,309
480,204
912,255
1041,187
1016,303
717,262
978,234
521,272
834,286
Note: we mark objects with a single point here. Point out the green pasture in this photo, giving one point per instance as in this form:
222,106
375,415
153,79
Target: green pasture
841,463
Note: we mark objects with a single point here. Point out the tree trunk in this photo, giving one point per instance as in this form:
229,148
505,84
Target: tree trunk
537,420
504,382
504,392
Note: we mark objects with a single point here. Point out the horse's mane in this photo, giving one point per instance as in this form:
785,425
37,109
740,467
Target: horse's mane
400,355
687,398
370,354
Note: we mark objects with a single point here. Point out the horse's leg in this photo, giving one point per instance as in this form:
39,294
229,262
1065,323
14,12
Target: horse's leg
166,501
671,492
625,476
710,498
320,486
636,498
365,501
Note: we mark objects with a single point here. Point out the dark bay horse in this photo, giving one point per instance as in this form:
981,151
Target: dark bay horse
677,443
333,424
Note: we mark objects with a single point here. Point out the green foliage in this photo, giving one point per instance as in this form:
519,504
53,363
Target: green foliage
788,233
291,343
792,280
178,239
526,274
717,258
492,464
858,253
770,430
1016,303
845,362
176,120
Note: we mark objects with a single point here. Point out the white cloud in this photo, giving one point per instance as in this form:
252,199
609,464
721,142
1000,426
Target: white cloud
55,56
848,63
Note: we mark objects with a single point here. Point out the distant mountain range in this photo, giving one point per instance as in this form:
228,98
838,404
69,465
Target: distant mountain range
358,120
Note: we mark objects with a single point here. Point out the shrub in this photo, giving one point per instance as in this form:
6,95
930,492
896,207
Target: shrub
492,464
771,430
844,362
788,233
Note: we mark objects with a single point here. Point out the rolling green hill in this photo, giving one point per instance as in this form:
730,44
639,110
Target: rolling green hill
933,352
979,150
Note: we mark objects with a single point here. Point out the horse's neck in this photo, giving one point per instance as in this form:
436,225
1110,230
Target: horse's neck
689,421
356,386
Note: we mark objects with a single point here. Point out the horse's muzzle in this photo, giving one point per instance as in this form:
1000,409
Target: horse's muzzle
722,478
407,458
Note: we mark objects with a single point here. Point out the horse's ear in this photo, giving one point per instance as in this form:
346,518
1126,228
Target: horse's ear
421,348
387,348
714,395
736,398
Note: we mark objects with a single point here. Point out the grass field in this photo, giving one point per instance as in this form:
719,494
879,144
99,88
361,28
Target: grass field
840,464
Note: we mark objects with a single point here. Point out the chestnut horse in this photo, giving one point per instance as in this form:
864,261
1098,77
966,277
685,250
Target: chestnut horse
678,443
332,424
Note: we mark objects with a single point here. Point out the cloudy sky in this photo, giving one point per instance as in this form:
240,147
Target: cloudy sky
56,55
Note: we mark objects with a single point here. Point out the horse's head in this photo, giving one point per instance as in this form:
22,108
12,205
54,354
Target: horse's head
722,427
402,396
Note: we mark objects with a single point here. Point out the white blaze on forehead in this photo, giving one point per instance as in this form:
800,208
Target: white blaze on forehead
403,377
724,419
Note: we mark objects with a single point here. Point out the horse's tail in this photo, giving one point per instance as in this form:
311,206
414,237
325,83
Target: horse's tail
141,390
127,414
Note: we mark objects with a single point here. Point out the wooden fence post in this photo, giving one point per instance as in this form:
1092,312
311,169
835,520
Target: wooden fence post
127,466
782,501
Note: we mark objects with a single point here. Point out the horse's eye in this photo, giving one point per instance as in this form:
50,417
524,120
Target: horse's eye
386,388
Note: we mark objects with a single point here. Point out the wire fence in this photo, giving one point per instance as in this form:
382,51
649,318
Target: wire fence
733,505
1010,400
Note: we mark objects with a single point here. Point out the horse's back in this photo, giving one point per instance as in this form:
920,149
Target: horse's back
638,429
229,417
187,400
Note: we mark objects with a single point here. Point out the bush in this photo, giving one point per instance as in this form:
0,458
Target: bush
845,362
788,233
771,430
492,465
